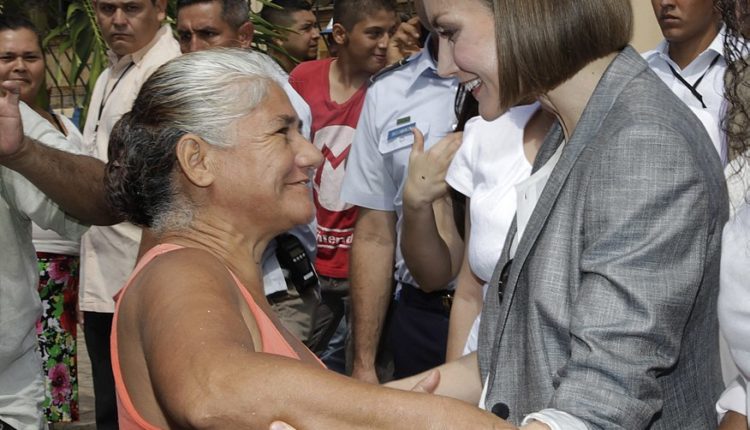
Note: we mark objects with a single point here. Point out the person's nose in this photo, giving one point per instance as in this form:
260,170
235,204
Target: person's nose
196,44
19,65
383,41
118,18
316,34
307,156
446,66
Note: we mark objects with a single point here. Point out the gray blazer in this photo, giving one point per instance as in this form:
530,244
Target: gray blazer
609,307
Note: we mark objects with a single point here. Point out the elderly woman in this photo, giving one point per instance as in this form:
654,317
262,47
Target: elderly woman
601,312
212,160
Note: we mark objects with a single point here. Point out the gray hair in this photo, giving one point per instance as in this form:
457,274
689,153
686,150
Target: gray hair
202,93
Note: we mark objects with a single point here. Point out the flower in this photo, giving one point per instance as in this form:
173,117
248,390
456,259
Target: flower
60,387
59,271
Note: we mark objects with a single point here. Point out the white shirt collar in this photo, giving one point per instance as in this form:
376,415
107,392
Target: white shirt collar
715,47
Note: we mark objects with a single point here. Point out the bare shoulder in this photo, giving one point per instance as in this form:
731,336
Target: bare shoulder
179,285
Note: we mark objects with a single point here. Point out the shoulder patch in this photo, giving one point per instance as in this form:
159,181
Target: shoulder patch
388,69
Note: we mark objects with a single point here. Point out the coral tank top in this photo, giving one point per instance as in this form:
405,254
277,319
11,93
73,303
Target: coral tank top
273,342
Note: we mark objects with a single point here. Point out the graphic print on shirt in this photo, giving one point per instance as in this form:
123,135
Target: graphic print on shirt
334,142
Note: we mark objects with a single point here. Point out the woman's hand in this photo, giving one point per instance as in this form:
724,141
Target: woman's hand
426,180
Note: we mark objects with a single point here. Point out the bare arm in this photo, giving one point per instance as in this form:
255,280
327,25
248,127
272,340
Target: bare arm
467,303
371,273
459,379
733,421
75,182
182,334
432,248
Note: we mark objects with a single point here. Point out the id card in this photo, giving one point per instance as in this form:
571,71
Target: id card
397,138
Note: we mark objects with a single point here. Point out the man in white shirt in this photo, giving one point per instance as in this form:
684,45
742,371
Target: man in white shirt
138,44
690,60
35,185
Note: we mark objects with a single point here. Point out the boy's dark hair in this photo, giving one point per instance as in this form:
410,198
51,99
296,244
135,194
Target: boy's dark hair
233,12
350,12
17,22
282,16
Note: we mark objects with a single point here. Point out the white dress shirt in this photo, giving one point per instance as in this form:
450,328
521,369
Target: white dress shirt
108,253
21,381
711,87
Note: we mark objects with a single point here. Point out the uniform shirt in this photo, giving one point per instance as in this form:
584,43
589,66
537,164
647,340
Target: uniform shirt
711,87
108,253
21,382
410,96
332,132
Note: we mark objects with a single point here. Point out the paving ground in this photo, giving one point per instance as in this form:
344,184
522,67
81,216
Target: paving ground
85,391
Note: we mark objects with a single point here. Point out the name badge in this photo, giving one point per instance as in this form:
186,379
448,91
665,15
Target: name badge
400,137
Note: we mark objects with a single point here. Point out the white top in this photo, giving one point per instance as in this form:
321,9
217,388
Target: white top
486,168
734,293
711,88
410,96
528,192
48,240
108,253
21,382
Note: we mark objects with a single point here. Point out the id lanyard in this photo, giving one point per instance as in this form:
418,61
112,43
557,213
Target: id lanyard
106,98
694,87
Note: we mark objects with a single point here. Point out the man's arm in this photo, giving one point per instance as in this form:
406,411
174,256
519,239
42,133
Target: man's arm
75,182
371,276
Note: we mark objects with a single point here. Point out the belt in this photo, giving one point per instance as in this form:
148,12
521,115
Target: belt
437,301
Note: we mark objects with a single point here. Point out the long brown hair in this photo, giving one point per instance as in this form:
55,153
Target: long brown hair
736,121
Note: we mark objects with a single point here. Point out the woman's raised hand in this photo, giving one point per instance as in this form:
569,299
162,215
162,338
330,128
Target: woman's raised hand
426,180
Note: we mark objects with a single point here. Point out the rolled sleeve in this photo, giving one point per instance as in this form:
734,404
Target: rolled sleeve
632,308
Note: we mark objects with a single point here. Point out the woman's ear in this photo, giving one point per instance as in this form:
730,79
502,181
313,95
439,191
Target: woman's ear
194,157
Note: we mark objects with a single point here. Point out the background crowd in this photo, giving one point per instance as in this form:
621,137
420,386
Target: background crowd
555,222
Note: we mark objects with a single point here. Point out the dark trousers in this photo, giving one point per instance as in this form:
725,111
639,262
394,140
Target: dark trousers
417,333
96,328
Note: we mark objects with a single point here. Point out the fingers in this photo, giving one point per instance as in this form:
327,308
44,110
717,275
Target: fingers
411,27
418,146
13,88
429,384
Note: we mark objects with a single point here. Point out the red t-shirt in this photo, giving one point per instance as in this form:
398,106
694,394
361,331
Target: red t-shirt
332,130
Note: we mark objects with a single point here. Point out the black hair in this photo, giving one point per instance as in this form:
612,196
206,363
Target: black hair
735,123
234,12
18,22
281,16
349,12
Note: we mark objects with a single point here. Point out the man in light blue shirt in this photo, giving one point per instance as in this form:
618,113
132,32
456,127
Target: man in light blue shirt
399,98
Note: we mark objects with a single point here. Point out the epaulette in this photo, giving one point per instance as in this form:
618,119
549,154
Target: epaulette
388,69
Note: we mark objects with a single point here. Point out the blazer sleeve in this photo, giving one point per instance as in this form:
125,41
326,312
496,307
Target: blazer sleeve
645,235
